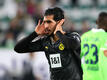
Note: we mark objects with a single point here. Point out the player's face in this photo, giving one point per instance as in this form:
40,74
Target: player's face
50,24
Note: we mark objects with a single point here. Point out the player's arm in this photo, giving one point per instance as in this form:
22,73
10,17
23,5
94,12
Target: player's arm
27,44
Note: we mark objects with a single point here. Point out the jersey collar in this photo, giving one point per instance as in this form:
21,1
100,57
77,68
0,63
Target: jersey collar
97,30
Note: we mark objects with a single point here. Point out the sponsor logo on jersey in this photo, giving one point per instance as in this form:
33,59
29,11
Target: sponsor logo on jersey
55,60
61,46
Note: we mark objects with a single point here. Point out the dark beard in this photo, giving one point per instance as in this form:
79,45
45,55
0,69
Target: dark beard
51,35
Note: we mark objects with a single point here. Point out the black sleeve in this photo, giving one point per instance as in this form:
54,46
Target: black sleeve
27,45
71,41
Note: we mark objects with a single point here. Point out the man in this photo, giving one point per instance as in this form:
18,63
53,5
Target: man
61,49
94,51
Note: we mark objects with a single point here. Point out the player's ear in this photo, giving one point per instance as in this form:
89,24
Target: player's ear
63,22
57,22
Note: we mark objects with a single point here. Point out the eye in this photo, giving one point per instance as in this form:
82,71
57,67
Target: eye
48,21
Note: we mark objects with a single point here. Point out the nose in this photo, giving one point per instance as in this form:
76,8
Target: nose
46,25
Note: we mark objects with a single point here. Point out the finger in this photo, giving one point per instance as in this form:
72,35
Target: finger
42,23
39,22
61,22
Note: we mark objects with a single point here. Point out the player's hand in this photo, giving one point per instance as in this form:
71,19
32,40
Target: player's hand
40,28
59,26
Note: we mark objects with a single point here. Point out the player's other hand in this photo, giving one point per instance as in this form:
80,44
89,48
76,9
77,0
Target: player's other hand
59,26
40,28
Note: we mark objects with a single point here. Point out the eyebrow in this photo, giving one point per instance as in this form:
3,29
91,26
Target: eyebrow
48,21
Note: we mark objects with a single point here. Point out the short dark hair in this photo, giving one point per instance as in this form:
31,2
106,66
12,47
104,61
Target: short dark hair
102,19
56,11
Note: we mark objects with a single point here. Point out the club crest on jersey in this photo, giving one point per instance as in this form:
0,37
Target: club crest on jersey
61,46
46,47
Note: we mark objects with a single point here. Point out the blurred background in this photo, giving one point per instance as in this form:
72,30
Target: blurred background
18,19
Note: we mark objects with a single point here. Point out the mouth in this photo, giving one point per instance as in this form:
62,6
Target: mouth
47,31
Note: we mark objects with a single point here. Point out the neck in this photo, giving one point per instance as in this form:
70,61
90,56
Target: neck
54,38
103,28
